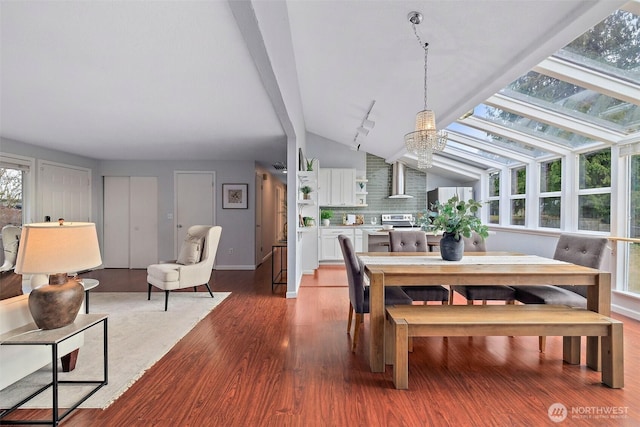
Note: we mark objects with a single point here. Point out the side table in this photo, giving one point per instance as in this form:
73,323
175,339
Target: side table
31,335
279,278
88,284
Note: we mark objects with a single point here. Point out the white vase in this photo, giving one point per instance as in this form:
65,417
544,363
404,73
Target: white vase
326,222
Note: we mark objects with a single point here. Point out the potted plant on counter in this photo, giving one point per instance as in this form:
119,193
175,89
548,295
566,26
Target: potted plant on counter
326,215
455,218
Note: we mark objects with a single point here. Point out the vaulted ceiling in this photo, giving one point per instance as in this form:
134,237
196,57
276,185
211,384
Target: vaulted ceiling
175,79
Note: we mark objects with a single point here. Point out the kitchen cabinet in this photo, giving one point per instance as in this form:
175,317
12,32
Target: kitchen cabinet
337,187
329,244
361,191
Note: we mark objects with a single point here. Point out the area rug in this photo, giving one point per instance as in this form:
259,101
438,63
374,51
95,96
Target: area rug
140,332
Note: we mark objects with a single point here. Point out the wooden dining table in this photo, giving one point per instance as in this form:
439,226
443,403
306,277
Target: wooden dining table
475,269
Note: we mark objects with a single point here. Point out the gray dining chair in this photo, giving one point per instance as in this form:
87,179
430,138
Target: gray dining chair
587,251
476,243
359,293
416,241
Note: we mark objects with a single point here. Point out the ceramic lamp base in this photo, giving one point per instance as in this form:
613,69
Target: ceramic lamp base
56,305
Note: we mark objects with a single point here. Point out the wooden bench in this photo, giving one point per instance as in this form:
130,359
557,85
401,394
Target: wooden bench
505,320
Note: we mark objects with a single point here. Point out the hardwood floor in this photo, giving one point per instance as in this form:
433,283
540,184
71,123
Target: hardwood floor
260,359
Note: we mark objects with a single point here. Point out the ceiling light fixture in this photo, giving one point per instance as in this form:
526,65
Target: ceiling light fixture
366,125
425,139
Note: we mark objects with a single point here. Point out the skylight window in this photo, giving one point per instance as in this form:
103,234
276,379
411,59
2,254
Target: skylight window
498,141
612,47
531,127
575,101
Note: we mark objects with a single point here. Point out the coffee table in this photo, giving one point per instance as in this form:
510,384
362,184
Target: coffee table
88,284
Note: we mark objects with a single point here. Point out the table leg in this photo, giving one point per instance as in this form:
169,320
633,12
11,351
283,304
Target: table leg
376,321
86,302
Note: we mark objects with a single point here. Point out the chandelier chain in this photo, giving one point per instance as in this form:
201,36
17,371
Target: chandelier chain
424,46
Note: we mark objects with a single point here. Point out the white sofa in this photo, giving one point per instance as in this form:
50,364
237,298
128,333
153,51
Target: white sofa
16,362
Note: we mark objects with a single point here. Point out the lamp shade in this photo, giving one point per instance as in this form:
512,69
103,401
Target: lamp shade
48,248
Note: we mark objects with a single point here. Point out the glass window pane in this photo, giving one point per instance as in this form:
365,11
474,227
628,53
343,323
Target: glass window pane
494,184
517,211
634,214
594,212
575,101
519,180
482,153
10,197
595,169
612,46
494,212
551,176
633,263
497,140
634,268
550,210
531,127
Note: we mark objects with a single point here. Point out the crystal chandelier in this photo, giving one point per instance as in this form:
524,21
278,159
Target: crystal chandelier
425,139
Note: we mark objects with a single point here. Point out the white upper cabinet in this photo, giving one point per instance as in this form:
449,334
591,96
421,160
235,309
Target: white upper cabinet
337,187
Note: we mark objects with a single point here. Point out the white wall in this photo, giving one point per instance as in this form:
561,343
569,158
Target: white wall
9,146
237,224
332,154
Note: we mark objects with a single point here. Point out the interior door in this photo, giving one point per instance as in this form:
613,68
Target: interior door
64,192
116,222
143,221
259,249
194,202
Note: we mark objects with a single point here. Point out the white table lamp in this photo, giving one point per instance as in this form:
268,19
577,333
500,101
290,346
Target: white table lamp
57,249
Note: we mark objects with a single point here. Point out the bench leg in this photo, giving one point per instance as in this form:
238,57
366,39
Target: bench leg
612,357
571,350
594,349
401,357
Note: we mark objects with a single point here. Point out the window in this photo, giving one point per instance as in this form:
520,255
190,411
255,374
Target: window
518,194
594,191
633,262
494,197
11,181
550,186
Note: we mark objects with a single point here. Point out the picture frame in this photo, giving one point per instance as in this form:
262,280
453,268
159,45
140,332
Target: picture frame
235,196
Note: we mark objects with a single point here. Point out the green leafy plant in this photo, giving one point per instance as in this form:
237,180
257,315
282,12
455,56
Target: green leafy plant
309,164
326,214
306,189
455,217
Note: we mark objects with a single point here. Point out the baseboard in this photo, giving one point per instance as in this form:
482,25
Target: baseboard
625,312
235,267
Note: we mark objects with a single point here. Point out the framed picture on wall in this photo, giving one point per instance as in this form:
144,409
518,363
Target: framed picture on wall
235,196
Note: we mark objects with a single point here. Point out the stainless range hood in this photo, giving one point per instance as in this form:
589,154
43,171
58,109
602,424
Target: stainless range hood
398,181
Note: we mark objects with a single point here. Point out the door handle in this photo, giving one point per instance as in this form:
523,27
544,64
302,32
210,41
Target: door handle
179,225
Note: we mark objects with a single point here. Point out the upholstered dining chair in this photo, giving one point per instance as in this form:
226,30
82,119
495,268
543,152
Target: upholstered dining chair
476,243
416,241
587,251
359,293
193,266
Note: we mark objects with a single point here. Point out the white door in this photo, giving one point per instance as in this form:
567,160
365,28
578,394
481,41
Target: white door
116,222
65,192
194,202
259,249
143,223
130,222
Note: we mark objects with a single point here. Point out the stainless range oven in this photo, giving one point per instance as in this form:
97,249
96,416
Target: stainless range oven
397,220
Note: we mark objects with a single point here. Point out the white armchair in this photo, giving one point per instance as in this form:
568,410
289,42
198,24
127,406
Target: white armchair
193,266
